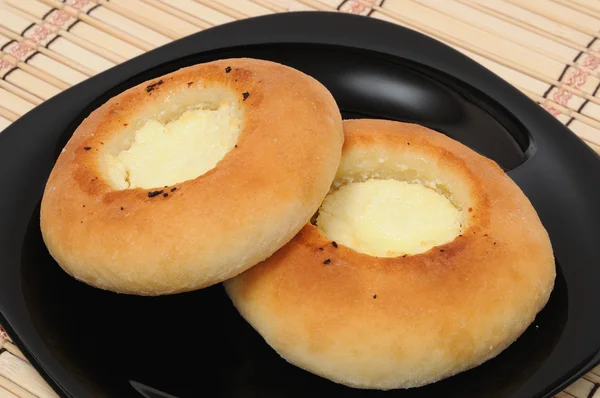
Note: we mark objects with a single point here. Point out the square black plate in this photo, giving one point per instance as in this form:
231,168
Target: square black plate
88,342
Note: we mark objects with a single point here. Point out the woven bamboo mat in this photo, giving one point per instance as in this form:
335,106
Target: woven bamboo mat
548,49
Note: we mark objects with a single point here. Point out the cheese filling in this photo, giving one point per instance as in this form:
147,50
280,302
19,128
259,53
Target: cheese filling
388,218
168,153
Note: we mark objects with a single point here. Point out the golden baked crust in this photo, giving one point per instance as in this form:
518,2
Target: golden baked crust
201,231
403,322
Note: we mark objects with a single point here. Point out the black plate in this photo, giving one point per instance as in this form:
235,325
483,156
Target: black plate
87,342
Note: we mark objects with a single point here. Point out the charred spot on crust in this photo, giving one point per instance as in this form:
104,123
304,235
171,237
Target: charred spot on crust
122,208
328,261
87,148
190,83
228,69
165,194
153,86
245,94
152,194
173,189
334,243
320,248
374,296
470,209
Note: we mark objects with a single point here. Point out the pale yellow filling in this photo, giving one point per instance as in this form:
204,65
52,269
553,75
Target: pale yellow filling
388,218
183,149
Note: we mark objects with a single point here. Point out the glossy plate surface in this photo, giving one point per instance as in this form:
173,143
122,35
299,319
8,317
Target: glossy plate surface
87,342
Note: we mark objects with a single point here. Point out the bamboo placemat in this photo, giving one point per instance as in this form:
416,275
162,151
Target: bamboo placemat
548,49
